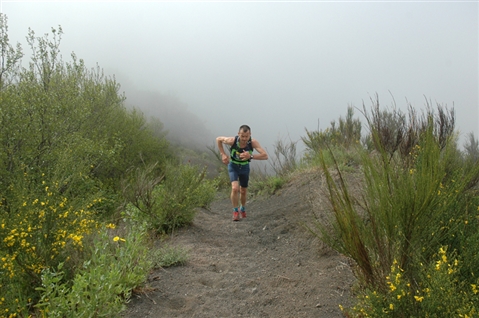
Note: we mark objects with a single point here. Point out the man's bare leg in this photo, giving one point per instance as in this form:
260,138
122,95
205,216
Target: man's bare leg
243,193
235,199
235,193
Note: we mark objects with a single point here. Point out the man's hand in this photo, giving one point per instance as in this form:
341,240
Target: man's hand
225,158
245,155
224,140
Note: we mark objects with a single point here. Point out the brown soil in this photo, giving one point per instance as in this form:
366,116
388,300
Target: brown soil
267,265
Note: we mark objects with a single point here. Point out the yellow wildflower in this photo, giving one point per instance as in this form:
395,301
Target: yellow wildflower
438,265
419,298
474,288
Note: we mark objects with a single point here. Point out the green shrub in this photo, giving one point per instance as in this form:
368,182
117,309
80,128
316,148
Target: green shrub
407,210
68,125
397,134
439,293
169,201
346,159
177,197
267,185
404,215
103,284
40,230
168,256
346,133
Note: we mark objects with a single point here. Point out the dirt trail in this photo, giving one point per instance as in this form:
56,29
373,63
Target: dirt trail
266,265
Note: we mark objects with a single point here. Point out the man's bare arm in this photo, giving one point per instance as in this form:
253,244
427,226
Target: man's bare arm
263,155
220,141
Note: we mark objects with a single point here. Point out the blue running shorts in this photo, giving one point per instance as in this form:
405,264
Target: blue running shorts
239,172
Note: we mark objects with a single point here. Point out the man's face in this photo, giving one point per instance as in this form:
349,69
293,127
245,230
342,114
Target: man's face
244,136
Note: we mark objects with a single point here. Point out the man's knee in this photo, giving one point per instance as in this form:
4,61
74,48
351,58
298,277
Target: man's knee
243,190
235,187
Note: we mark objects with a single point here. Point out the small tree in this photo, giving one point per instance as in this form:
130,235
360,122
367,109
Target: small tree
10,57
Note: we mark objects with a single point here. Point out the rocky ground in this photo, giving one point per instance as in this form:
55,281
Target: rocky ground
267,265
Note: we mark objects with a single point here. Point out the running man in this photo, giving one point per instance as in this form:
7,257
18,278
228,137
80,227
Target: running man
241,153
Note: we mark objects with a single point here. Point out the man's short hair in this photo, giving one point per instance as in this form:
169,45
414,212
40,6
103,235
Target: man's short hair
244,128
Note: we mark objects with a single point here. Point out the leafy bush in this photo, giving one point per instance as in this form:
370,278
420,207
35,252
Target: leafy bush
40,232
68,125
104,282
183,189
168,202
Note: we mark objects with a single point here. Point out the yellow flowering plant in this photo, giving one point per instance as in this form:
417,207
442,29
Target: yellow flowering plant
437,293
40,233
115,266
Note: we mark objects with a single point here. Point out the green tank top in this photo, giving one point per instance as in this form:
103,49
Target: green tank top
236,150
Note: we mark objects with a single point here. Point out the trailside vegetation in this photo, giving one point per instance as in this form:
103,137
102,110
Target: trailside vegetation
84,182
410,230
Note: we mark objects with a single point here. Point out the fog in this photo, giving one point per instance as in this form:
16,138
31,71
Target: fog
205,68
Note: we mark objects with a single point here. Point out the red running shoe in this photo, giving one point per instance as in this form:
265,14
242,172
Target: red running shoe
243,214
236,216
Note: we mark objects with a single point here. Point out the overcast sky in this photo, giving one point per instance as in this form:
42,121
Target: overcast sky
278,66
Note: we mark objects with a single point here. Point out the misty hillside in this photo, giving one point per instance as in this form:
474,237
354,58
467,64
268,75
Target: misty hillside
183,127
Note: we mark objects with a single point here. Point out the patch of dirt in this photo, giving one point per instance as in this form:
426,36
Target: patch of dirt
267,265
